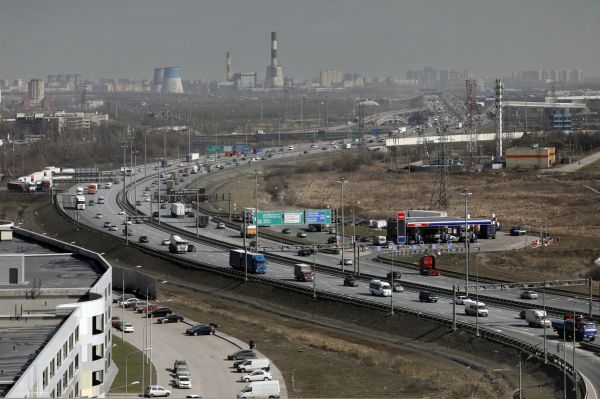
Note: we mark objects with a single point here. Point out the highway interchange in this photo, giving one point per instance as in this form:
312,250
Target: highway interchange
500,319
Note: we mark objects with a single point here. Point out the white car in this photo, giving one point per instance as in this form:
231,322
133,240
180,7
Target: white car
258,375
156,390
183,381
220,225
347,262
113,228
147,199
128,328
98,216
290,148
166,241
122,213
461,299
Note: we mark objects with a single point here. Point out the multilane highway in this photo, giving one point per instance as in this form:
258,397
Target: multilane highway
500,319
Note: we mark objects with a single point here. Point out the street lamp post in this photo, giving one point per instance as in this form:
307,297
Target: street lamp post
256,172
147,313
465,193
158,176
126,360
342,182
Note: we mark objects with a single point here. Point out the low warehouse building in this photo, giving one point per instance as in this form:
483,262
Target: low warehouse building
530,157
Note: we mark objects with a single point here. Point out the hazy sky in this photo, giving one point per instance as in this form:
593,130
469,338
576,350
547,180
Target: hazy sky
128,38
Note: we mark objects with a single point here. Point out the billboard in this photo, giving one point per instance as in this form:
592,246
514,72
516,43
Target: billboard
317,216
227,148
213,149
241,148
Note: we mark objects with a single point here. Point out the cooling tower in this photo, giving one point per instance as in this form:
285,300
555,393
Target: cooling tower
157,81
274,74
172,80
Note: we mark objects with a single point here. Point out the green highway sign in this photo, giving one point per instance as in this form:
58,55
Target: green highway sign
269,218
293,217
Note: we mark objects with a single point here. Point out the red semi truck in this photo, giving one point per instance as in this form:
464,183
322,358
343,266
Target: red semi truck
427,266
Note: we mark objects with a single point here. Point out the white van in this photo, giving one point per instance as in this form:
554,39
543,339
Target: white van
379,240
260,389
472,308
380,288
107,185
254,364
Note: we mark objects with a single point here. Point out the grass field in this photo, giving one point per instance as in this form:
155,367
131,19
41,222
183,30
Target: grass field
134,367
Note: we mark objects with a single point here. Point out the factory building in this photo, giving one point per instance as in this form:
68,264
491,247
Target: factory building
244,80
56,337
530,157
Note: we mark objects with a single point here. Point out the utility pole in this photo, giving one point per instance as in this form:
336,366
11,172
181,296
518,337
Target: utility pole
465,193
342,182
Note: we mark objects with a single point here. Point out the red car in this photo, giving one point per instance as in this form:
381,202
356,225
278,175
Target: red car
148,308
116,321
350,281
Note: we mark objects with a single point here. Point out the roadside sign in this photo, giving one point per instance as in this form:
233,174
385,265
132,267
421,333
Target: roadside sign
401,239
401,216
214,149
317,216
269,218
293,217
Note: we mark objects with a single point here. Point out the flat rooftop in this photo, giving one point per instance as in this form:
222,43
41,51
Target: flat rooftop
27,324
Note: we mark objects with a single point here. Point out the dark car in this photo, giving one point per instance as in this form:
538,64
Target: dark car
144,239
305,252
427,296
394,276
350,281
242,355
160,312
172,318
116,321
200,329
517,231
191,248
332,240
286,231
365,239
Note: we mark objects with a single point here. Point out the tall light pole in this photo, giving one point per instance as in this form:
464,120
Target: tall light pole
342,182
256,172
124,167
126,382
465,193
145,163
158,176
147,313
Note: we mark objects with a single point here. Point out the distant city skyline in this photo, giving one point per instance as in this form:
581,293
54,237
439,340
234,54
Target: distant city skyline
127,39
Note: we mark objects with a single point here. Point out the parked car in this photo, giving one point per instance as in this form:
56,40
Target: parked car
116,321
148,308
127,327
156,390
200,329
160,312
242,355
286,231
427,296
129,302
258,375
350,281
301,234
529,295
517,231
172,318
144,239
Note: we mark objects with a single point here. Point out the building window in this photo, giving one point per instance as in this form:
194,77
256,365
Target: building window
97,352
58,390
58,359
109,287
97,324
45,377
71,370
53,394
77,334
77,361
52,368
71,343
65,352
97,377
77,389
65,380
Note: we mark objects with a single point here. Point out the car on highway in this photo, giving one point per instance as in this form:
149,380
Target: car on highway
305,252
393,276
332,240
127,327
113,228
172,318
91,203
220,225
350,281
191,248
242,355
122,213
143,239
156,390
147,188
529,295
460,299
147,199
98,215
427,296
166,241
290,147
517,231
396,287
258,375
301,234
346,262
183,382
286,231
107,224
200,329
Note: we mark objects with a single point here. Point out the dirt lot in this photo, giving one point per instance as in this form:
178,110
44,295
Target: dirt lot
377,356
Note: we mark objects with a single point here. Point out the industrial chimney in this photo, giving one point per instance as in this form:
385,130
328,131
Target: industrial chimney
274,76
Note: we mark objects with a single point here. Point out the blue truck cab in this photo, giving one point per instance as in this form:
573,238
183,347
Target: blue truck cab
584,330
257,263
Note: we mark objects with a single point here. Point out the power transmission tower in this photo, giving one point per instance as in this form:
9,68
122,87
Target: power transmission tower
471,130
439,196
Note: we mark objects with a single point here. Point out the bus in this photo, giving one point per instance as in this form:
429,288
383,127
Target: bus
178,245
79,202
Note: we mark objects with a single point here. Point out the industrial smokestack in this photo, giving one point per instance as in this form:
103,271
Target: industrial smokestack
172,80
274,49
227,67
